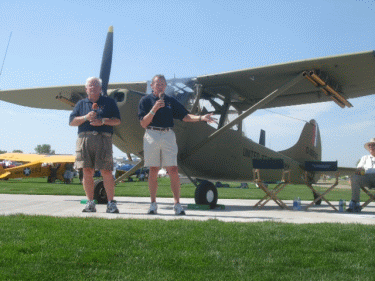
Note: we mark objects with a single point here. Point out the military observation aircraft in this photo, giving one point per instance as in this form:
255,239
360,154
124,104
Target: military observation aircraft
223,152
37,165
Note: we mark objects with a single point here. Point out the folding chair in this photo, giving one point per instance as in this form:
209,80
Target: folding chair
370,194
271,194
318,166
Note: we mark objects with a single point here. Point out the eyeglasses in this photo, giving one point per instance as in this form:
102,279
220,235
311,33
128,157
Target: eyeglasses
371,145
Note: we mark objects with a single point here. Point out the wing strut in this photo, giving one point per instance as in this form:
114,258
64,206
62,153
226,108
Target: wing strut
130,172
251,110
198,89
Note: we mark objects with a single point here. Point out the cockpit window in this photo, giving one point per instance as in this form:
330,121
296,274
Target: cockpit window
181,89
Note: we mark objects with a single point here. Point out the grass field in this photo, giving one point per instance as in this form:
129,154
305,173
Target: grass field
140,189
49,248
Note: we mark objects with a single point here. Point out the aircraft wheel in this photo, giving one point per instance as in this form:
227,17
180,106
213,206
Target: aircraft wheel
100,194
206,194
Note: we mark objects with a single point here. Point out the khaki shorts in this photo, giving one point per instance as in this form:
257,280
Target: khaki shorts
94,151
160,148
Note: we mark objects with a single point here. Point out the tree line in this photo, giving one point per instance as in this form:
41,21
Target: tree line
40,149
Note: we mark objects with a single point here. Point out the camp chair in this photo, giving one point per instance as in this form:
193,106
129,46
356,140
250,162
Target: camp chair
271,194
318,166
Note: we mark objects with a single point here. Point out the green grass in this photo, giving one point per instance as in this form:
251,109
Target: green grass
47,248
140,189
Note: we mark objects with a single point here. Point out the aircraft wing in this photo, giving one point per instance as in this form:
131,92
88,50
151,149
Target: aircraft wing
59,159
350,76
59,97
23,157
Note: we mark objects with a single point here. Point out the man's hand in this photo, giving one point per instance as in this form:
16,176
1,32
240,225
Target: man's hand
208,118
360,171
159,104
91,116
96,122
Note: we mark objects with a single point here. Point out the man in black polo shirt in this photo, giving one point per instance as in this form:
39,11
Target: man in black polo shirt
95,117
156,113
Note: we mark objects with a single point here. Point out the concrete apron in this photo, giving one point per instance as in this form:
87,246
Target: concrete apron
136,208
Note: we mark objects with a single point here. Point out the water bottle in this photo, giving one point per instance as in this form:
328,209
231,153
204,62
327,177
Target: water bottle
84,201
295,204
341,206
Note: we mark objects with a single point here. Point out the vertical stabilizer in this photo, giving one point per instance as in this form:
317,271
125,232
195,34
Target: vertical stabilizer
308,147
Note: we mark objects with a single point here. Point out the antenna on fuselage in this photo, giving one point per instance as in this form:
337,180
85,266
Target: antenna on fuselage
6,51
262,137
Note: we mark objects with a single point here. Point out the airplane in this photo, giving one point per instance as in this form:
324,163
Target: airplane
223,152
37,165
122,169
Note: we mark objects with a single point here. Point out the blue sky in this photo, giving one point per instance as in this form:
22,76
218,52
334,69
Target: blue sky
61,43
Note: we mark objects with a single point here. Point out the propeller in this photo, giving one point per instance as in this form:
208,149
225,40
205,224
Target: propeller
105,69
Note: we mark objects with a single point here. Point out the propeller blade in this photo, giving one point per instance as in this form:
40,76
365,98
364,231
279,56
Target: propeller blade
105,69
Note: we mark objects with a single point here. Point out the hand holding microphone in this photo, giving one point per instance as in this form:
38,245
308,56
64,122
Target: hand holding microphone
91,116
159,103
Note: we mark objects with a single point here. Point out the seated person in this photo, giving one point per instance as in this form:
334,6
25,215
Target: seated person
364,176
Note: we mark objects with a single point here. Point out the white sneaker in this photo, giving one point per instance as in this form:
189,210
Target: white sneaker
90,207
112,207
178,210
153,209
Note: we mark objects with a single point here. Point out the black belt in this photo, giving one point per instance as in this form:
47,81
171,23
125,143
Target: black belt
94,133
159,129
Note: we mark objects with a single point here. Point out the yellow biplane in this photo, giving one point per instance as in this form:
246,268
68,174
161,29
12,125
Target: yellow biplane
38,165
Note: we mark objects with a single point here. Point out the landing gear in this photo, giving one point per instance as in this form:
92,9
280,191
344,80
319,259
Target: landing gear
100,194
206,194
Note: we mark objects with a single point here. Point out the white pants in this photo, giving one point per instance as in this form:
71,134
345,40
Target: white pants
160,148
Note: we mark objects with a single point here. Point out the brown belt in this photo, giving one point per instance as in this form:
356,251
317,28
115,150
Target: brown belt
94,133
159,129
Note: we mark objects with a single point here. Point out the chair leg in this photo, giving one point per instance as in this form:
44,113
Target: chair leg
321,196
372,197
275,191
272,196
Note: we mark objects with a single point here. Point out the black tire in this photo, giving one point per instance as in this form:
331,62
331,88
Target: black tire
206,194
100,194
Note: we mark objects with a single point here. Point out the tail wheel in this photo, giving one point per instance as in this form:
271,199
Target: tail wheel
100,194
206,194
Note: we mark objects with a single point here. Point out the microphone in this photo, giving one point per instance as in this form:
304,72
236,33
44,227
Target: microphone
162,96
95,107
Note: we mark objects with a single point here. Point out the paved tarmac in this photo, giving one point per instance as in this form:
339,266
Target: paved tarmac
136,208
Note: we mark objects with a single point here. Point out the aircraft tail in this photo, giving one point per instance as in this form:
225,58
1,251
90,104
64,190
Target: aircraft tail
308,147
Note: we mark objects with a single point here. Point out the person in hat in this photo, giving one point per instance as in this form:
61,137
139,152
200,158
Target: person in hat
364,176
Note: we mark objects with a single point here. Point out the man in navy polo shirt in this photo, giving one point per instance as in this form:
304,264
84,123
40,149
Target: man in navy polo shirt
156,113
95,117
